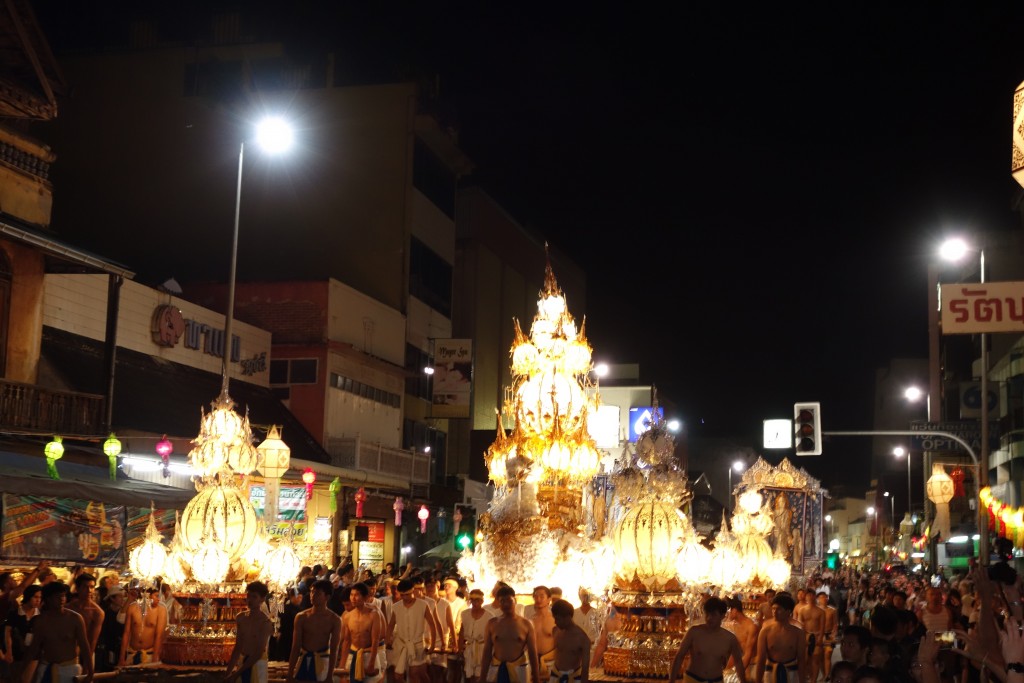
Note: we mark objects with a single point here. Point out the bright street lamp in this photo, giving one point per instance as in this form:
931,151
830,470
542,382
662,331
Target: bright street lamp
831,526
913,394
892,509
899,452
953,250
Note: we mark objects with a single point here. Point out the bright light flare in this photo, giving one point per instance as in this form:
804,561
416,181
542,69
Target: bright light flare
953,249
913,394
899,451
274,135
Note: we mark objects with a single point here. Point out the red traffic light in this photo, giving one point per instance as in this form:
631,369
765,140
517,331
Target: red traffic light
807,428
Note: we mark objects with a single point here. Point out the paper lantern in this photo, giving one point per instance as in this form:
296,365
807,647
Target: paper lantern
940,490
149,559
456,520
645,543
309,478
360,498
282,565
164,448
54,451
223,512
398,507
275,459
210,563
112,449
424,515
334,488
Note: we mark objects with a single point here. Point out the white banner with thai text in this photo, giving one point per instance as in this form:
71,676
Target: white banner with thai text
982,308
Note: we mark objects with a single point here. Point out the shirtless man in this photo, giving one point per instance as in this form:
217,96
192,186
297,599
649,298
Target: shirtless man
745,630
144,633
510,644
253,628
709,646
781,646
411,619
543,622
813,618
361,629
472,634
316,637
571,662
764,610
831,630
84,604
59,642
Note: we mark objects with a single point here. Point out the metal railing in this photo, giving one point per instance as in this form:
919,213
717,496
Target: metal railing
34,408
399,464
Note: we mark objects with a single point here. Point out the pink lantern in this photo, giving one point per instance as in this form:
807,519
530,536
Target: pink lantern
456,520
164,448
398,507
360,498
424,515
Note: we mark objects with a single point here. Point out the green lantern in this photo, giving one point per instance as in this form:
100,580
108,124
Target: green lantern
334,488
54,451
112,449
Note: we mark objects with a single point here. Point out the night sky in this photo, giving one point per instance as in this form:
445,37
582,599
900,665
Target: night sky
754,191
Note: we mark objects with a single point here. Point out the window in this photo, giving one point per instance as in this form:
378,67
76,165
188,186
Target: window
417,383
435,180
293,371
430,278
366,391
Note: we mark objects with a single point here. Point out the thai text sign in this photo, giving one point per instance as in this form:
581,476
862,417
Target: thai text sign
982,308
291,503
968,430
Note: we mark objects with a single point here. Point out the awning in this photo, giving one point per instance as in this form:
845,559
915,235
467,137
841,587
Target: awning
445,551
25,475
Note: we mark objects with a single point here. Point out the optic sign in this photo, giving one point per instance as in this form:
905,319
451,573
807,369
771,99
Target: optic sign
982,308
640,420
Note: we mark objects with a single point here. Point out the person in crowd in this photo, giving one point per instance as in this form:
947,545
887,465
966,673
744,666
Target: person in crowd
438,660
709,647
830,633
843,672
316,638
588,617
11,591
60,647
411,620
174,608
144,632
84,604
362,632
539,614
612,623
745,630
764,610
253,628
18,631
571,663
112,632
472,633
511,644
781,645
281,644
855,644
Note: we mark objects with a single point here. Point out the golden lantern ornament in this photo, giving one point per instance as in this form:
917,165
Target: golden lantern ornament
148,561
940,488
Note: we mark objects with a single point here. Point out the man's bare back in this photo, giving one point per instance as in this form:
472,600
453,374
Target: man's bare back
572,650
781,642
709,648
746,633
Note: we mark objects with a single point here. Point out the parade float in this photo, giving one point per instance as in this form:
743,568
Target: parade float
632,543
220,542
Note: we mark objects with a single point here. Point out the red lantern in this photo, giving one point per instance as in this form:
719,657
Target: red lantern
164,448
398,507
957,475
360,498
309,478
424,515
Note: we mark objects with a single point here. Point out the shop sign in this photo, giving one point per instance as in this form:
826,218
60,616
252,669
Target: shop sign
982,308
62,530
291,502
370,553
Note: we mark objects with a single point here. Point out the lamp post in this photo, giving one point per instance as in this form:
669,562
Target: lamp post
738,466
831,527
954,250
874,550
892,510
899,452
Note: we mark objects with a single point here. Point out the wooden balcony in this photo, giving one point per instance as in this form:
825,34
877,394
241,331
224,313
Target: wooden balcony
27,407
405,466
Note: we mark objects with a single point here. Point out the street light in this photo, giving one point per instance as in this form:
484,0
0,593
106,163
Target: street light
738,466
892,509
954,250
831,526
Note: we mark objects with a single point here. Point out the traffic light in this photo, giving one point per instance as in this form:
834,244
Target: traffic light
466,538
807,428
832,560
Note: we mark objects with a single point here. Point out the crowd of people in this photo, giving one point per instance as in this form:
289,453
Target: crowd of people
424,626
